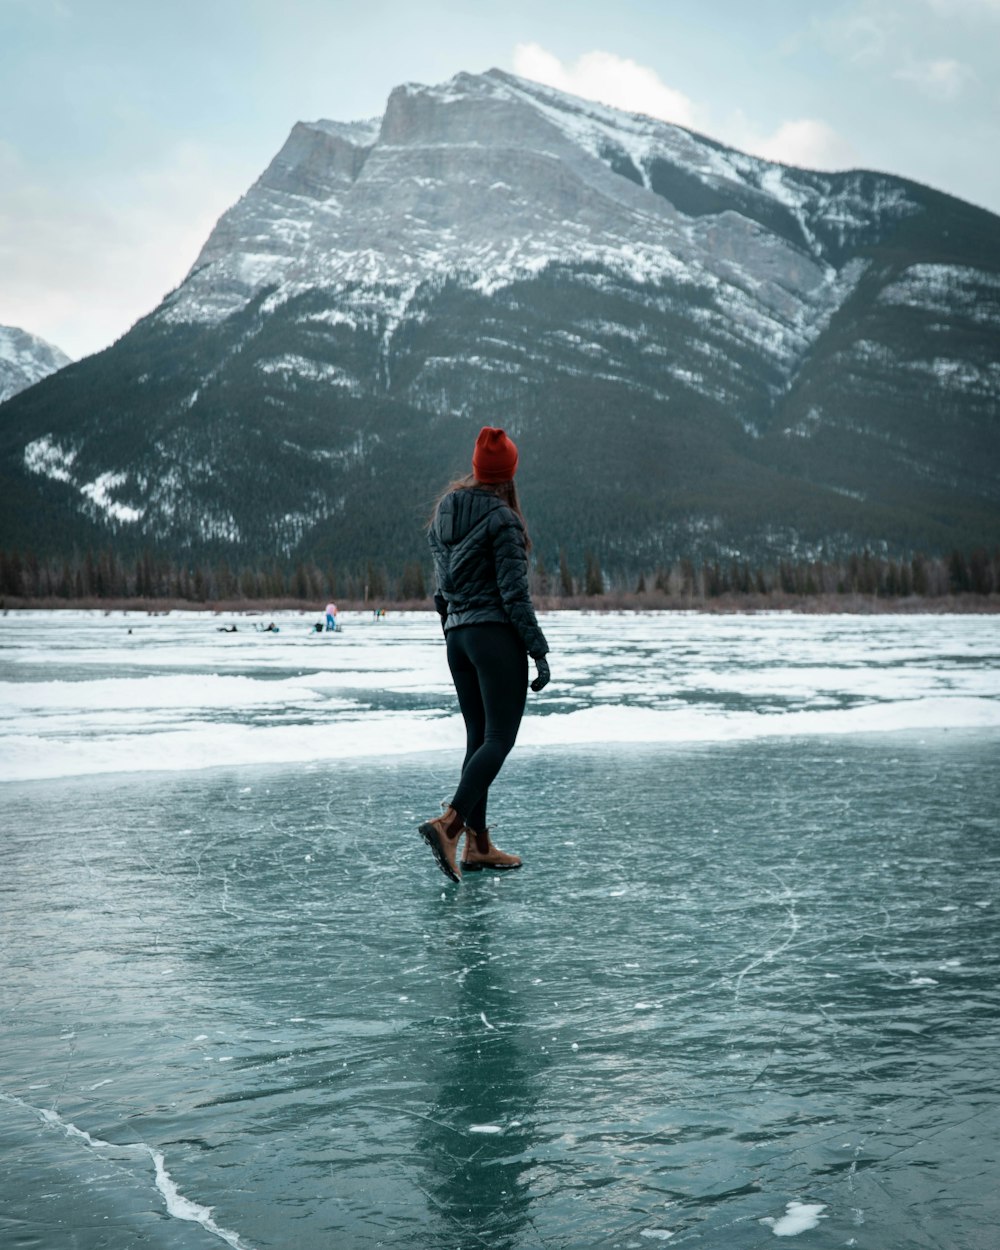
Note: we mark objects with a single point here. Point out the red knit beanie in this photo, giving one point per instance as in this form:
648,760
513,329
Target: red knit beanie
495,456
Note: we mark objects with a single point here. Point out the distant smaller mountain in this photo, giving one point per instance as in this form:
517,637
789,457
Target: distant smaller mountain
25,359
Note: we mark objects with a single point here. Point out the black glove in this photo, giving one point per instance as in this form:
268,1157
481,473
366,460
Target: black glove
441,605
542,680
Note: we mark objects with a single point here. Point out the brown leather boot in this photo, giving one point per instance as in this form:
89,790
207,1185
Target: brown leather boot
481,853
441,834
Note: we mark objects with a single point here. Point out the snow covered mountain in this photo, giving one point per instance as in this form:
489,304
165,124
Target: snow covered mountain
701,352
25,359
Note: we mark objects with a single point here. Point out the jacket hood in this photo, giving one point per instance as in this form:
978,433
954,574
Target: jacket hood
460,512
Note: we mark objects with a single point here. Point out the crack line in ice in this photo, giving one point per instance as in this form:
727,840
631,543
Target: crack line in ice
177,1205
769,955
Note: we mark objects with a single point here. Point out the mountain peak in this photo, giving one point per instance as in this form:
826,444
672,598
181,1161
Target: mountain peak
25,359
489,177
742,356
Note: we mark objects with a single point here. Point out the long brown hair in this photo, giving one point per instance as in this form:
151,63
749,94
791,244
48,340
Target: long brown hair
506,492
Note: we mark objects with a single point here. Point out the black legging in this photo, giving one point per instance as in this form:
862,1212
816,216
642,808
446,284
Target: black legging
490,669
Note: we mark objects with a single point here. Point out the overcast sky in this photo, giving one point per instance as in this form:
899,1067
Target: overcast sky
128,126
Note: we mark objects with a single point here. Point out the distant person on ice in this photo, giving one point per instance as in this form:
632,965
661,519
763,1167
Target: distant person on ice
331,616
480,546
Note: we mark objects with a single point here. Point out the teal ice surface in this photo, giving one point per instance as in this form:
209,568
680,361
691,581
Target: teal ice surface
729,978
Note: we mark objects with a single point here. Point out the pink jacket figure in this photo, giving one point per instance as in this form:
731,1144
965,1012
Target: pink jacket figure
331,616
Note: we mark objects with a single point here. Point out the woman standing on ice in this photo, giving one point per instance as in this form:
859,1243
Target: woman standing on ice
480,547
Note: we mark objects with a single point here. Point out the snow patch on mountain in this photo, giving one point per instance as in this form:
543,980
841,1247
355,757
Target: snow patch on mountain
99,493
945,288
48,458
959,375
294,366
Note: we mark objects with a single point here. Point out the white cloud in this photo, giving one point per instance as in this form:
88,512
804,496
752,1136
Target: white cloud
609,79
623,83
943,79
807,142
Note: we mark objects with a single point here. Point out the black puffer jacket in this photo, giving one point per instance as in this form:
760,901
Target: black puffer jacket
482,566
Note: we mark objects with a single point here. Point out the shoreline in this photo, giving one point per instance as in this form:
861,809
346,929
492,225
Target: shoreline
722,605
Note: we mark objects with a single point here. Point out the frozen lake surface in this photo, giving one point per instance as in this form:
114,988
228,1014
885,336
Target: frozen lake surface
83,693
745,987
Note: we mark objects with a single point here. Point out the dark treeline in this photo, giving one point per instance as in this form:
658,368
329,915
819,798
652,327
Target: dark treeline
861,573
103,575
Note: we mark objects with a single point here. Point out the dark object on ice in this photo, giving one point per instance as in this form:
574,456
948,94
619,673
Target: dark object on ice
480,853
318,627
441,834
227,629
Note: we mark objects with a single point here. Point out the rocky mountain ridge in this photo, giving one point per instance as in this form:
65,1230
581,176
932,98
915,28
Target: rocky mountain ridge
702,352
25,359
383,212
